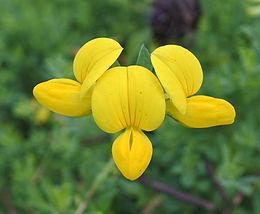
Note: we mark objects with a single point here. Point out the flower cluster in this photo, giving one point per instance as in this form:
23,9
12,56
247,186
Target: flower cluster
133,99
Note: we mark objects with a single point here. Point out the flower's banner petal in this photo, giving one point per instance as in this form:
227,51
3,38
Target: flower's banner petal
203,112
179,71
132,153
128,96
93,59
62,96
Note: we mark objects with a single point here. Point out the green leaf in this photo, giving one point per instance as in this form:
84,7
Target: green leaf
115,64
144,58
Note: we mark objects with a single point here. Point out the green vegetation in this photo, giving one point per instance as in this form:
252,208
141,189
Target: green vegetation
54,164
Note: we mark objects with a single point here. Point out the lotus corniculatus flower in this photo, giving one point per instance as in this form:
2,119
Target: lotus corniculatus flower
73,98
180,73
131,99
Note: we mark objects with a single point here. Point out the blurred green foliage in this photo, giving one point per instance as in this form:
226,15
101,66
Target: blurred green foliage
48,162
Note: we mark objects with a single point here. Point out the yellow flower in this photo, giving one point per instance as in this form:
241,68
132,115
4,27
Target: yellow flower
180,73
129,98
42,116
73,98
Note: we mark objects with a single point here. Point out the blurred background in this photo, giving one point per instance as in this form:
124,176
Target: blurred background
60,165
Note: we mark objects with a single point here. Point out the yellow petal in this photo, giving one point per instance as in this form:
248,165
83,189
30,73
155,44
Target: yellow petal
204,112
128,96
179,72
93,59
146,99
62,97
132,152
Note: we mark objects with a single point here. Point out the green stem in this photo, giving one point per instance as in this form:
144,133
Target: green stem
101,177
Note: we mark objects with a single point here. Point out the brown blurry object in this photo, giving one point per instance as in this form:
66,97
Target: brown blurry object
173,19
5,199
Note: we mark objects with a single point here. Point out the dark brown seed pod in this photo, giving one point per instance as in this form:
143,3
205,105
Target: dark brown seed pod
173,19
